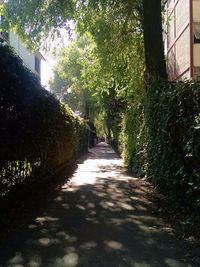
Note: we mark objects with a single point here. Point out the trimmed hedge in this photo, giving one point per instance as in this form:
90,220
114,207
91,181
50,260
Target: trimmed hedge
38,134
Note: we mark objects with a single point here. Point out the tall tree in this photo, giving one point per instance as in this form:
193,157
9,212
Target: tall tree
153,42
69,81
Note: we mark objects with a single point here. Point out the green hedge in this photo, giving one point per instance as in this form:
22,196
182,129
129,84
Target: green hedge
38,134
173,122
161,139
133,139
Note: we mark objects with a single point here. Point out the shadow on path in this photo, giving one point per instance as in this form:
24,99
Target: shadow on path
100,218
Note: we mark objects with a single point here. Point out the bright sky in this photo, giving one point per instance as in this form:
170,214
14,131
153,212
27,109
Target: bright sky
46,71
50,60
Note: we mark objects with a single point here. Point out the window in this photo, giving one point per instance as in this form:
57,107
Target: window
37,65
196,29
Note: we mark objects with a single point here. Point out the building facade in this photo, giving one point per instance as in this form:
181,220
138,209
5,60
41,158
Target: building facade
32,60
182,39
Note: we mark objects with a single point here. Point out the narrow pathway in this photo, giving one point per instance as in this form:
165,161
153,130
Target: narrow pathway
100,218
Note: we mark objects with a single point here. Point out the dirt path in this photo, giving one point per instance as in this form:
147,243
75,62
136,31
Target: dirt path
100,218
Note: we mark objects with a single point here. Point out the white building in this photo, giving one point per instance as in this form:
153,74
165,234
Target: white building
31,59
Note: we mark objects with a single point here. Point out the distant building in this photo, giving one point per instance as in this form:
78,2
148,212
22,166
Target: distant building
31,59
182,38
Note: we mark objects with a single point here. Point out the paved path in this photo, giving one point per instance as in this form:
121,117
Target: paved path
100,218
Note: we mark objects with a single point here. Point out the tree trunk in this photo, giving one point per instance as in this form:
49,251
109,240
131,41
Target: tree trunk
153,40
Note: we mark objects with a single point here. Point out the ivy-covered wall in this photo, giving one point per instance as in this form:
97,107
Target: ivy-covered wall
161,139
173,122
38,134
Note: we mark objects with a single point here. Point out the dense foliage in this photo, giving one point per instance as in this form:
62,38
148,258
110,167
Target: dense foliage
161,139
38,134
36,20
173,143
133,143
69,83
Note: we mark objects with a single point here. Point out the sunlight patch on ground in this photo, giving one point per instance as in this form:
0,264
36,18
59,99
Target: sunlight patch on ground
106,204
140,207
125,206
86,178
80,207
90,170
114,244
46,219
71,259
46,242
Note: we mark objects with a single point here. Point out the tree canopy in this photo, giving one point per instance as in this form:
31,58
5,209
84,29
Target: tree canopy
107,21
69,82
35,21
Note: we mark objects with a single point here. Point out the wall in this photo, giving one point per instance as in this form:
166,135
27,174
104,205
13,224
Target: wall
196,46
23,52
177,42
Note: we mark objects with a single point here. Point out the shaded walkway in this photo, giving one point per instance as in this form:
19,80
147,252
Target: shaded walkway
100,218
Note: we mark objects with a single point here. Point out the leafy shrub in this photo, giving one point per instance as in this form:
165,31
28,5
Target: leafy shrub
38,134
160,138
81,136
173,120
133,139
